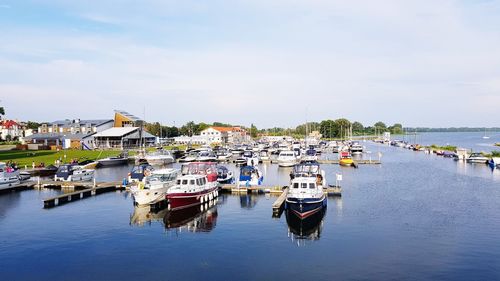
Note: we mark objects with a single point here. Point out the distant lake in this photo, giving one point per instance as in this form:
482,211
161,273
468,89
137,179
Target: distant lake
415,217
467,140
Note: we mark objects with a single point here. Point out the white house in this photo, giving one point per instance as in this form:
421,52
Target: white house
10,128
76,126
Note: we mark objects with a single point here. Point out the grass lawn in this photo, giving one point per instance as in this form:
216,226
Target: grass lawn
26,157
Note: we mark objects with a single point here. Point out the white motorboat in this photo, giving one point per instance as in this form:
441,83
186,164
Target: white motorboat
224,155
356,148
159,158
8,176
264,155
287,158
477,158
310,155
70,172
206,156
190,157
155,186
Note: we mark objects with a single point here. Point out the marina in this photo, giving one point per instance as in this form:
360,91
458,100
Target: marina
249,140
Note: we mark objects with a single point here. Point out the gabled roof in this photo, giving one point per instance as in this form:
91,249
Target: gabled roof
8,123
128,115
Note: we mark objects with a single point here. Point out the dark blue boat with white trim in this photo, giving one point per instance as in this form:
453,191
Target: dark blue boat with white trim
305,197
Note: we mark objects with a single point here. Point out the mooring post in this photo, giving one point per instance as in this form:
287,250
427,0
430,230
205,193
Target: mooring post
94,183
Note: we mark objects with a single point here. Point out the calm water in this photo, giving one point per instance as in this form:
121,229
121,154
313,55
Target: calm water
415,217
472,141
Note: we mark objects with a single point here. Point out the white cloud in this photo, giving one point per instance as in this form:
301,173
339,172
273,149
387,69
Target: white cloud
391,61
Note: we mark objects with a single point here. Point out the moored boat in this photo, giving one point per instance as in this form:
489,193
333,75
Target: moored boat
155,186
477,158
224,175
159,158
122,159
197,185
305,197
139,172
8,176
287,158
346,159
250,176
70,172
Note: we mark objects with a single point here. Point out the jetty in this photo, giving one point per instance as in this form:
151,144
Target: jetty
18,187
82,190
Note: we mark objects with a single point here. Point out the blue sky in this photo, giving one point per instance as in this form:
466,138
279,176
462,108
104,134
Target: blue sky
271,63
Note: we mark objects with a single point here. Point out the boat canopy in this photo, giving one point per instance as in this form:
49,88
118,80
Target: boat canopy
311,152
199,168
246,173
306,169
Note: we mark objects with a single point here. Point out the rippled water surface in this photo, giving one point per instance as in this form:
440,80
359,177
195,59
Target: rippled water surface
416,216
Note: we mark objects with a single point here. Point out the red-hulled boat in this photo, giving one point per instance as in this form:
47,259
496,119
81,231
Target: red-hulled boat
197,185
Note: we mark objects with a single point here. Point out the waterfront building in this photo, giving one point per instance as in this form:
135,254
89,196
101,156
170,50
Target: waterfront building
123,138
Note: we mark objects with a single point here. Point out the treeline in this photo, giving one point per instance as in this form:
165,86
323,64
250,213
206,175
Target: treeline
339,128
452,129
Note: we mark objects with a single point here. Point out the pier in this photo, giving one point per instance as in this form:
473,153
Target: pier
18,187
83,190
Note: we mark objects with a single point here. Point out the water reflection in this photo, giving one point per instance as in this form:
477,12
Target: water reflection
8,202
193,219
248,201
143,215
302,230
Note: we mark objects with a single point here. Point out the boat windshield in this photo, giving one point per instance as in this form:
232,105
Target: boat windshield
247,154
200,168
311,152
306,169
161,177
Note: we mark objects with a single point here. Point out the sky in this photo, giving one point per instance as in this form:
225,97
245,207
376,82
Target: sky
267,62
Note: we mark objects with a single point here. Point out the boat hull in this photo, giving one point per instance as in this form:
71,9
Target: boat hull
113,162
144,197
305,207
185,200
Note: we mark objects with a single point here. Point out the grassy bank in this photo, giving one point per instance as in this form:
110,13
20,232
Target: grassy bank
446,147
497,144
23,157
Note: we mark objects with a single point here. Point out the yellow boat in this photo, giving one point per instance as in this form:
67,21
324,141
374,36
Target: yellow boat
346,159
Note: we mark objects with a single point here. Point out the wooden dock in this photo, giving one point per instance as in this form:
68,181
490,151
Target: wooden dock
83,190
18,187
275,190
280,202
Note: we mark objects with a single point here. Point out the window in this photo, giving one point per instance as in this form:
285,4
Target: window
184,182
295,185
312,185
303,185
178,182
191,182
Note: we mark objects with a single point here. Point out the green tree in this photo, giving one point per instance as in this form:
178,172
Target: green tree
2,111
33,125
396,128
253,131
380,125
357,128
328,128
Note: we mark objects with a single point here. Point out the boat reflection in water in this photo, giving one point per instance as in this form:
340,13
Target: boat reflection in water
143,215
200,218
247,201
302,230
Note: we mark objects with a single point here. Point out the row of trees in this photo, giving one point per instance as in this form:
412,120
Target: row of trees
336,129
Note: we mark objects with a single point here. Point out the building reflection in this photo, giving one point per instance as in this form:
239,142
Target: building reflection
302,230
